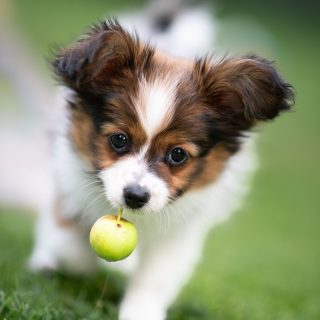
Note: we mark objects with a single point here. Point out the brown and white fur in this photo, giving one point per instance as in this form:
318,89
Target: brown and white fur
116,84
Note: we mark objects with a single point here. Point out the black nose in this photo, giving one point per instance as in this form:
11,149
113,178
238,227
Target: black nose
135,196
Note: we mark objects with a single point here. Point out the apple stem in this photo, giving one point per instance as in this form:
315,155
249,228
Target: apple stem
119,215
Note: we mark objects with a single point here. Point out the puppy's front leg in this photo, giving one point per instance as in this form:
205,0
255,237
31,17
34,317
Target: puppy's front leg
61,243
165,265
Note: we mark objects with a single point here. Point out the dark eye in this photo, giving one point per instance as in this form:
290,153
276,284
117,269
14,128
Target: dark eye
176,156
119,142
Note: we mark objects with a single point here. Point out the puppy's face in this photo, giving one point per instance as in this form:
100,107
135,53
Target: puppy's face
154,126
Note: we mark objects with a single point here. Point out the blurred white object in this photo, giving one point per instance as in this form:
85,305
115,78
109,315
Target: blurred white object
187,32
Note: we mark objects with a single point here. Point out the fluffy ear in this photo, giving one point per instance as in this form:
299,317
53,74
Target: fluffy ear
243,91
100,56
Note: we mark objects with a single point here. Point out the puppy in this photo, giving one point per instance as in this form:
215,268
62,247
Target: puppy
167,139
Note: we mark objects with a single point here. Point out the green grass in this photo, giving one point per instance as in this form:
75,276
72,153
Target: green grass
262,264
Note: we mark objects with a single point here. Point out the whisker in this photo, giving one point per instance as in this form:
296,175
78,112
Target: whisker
91,203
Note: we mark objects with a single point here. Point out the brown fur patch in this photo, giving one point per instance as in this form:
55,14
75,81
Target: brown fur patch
246,89
81,131
202,167
213,164
104,56
89,143
196,172
92,143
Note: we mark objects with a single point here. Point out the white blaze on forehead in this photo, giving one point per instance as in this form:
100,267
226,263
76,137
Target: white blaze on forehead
155,103
155,107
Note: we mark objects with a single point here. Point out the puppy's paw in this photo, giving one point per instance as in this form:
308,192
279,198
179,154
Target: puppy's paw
41,261
141,308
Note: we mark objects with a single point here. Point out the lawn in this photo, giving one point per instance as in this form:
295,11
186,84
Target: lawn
262,264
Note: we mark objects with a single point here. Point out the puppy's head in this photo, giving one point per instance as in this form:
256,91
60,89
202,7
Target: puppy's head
154,126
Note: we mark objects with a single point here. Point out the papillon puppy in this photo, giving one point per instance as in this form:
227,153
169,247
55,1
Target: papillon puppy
166,137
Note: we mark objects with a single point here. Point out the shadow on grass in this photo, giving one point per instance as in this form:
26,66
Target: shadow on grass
191,311
60,296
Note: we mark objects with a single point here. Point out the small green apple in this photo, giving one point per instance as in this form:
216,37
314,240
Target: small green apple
113,238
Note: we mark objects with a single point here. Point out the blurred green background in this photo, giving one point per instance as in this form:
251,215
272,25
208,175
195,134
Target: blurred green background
264,263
